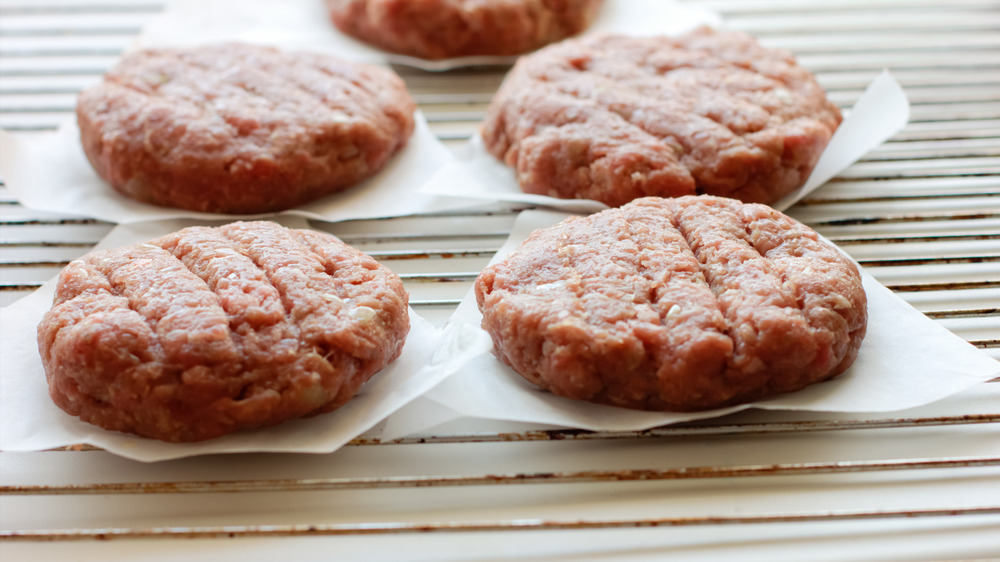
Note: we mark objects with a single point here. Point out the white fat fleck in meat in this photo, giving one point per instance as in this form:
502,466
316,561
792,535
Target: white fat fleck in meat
841,303
549,287
362,313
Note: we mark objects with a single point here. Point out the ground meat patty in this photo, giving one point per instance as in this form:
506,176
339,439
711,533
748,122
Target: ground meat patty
237,128
675,304
438,29
210,330
615,118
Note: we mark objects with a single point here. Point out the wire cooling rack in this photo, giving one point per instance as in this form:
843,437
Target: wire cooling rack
921,213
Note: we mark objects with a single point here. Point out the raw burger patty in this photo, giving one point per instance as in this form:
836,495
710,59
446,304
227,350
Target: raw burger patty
438,29
210,330
675,304
237,128
615,118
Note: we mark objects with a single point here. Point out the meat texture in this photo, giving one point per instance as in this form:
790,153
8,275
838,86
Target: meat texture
210,330
440,29
614,118
237,128
677,304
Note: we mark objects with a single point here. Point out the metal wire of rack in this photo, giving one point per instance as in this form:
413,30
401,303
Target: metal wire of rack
921,213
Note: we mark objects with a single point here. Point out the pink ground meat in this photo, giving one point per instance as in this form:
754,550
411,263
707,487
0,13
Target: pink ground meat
237,128
675,304
210,330
439,29
615,118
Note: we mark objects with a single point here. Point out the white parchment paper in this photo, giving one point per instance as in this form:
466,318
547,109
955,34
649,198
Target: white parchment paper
30,421
51,173
905,361
306,24
881,112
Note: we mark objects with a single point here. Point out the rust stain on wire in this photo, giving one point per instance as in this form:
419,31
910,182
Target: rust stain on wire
20,287
854,241
404,237
679,430
897,262
559,477
945,286
388,528
969,313
906,218
682,430
443,254
57,222
809,202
